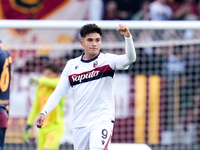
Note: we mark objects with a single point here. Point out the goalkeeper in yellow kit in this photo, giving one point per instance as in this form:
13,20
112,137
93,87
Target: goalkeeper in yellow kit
52,131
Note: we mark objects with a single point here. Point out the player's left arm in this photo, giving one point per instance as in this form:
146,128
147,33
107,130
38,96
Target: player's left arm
129,57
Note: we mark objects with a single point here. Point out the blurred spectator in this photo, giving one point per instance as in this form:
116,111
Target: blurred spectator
186,10
158,59
174,65
172,69
145,36
127,8
36,64
95,11
159,10
196,112
111,11
143,13
191,59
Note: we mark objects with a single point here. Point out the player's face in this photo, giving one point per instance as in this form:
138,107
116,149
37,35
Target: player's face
49,74
92,45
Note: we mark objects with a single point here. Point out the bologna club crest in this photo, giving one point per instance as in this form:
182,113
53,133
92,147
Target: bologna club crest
95,64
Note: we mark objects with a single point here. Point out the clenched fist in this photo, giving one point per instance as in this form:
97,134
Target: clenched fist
124,30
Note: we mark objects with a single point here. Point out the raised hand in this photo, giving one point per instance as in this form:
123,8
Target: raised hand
124,30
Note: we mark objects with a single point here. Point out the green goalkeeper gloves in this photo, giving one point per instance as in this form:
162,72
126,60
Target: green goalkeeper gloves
33,80
26,134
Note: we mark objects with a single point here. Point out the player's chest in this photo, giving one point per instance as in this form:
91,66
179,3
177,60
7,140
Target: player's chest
80,68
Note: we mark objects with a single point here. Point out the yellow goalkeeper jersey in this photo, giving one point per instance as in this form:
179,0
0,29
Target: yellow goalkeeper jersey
45,88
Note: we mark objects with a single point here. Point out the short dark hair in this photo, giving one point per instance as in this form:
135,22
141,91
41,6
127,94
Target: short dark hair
51,66
89,28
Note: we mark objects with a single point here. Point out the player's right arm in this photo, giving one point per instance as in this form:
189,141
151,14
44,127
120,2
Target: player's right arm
60,91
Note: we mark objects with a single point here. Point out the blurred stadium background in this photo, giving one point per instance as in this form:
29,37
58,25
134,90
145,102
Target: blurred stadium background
157,99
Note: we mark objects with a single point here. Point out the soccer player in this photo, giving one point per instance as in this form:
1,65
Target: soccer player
91,78
53,128
5,79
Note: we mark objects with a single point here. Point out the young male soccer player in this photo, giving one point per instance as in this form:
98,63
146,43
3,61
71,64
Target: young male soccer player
5,79
53,128
91,78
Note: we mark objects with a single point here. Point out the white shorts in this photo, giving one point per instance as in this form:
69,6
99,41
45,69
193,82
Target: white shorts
93,136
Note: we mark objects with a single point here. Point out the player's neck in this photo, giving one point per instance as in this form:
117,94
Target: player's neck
89,57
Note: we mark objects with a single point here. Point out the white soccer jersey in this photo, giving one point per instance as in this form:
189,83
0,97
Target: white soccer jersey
92,84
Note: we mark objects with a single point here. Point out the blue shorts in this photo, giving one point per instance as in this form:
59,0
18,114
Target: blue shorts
2,137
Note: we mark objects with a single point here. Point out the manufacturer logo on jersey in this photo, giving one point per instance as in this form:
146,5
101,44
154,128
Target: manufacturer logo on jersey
103,142
76,67
95,64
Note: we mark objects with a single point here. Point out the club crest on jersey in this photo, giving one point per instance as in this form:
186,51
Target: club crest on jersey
95,64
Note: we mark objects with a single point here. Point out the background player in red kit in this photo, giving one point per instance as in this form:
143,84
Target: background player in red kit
5,78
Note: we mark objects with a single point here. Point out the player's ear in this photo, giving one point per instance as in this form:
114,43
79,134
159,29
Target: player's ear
82,43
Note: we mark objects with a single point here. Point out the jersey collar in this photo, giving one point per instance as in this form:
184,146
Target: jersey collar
87,61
